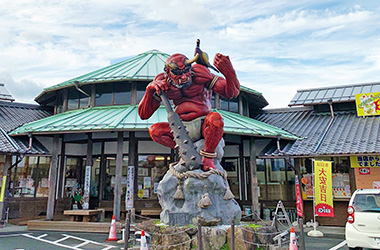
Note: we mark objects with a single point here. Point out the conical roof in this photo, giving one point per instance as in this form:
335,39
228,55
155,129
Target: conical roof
143,67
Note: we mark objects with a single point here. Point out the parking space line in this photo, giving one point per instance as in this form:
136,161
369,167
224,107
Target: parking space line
342,244
62,239
82,244
51,242
12,235
41,236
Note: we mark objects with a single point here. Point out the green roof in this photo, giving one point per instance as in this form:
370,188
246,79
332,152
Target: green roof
121,118
144,66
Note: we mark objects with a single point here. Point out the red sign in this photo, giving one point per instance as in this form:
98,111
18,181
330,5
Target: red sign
299,204
376,184
364,171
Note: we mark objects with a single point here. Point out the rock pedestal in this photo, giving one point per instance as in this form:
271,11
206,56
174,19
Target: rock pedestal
182,211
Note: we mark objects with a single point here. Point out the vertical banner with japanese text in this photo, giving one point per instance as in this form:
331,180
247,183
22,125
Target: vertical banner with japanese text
323,189
86,193
299,204
130,188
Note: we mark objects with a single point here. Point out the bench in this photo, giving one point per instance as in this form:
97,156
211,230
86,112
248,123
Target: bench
84,215
150,212
69,226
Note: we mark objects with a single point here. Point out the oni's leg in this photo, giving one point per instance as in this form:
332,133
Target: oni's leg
160,133
212,132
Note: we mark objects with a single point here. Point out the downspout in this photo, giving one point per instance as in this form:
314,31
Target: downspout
30,142
76,83
328,126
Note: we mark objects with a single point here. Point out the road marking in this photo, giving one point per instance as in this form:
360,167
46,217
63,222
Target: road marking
11,235
342,244
65,237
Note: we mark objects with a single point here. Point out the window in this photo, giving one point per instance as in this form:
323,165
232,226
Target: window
151,170
31,177
229,105
103,94
141,86
72,99
122,93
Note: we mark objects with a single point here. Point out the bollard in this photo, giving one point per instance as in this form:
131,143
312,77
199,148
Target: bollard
127,230
200,246
233,234
302,238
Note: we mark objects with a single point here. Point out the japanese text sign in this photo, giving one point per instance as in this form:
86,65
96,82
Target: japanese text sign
323,189
367,104
365,161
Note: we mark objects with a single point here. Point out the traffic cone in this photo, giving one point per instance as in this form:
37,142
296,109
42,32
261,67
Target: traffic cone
112,235
293,240
144,244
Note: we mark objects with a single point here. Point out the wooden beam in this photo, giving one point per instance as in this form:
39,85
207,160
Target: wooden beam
62,170
254,186
119,167
102,172
132,160
53,178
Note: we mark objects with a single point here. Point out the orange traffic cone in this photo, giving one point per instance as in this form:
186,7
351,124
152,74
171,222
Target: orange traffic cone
144,244
112,236
293,240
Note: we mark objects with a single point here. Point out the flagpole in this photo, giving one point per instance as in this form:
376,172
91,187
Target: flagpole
314,232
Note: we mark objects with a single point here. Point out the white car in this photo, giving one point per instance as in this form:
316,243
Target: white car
363,220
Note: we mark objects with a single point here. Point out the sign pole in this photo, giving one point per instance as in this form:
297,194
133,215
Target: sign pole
314,232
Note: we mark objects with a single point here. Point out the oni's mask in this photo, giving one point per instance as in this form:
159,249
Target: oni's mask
178,69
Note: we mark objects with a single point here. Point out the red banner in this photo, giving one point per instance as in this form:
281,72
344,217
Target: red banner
299,204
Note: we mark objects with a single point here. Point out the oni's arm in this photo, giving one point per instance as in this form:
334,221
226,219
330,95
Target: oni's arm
151,100
228,87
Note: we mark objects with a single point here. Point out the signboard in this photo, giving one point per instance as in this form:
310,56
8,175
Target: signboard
364,171
367,104
323,197
86,194
299,204
376,184
365,161
130,187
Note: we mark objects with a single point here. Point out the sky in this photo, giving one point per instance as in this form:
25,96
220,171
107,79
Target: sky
276,46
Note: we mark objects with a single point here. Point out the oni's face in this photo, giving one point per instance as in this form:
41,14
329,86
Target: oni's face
178,69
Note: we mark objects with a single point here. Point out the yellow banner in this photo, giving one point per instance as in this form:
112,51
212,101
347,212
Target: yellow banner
365,161
323,195
367,104
2,192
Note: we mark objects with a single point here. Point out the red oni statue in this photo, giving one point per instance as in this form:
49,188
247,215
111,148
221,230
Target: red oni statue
190,88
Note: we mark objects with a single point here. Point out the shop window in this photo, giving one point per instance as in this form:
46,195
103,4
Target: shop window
110,175
31,177
72,175
231,165
151,170
261,179
340,177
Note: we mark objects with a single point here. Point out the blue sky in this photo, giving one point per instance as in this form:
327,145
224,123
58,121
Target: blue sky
276,46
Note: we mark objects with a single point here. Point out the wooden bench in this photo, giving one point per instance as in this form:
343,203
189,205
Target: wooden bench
76,226
84,215
151,212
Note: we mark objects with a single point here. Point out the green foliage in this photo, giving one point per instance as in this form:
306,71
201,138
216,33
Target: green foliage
225,247
254,226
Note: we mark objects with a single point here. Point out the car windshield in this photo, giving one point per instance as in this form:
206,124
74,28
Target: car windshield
367,203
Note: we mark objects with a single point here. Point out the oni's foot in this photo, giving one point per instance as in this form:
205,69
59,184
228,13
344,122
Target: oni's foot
208,164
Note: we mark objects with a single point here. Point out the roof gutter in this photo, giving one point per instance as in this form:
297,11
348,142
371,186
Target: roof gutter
328,126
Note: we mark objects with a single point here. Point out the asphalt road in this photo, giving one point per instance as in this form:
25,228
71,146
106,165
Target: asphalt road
37,240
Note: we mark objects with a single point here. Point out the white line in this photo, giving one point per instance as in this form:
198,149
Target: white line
41,236
61,239
51,242
88,241
82,244
343,243
12,235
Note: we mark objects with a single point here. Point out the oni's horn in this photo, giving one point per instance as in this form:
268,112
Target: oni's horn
187,62
171,65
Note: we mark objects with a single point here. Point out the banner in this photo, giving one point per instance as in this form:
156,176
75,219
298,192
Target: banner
365,161
87,181
130,187
2,192
299,204
323,198
367,104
